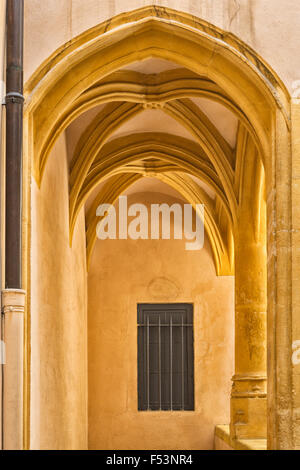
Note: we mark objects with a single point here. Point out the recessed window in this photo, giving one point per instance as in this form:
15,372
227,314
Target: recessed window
165,357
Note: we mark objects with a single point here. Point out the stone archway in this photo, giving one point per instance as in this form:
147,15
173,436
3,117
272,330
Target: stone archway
78,75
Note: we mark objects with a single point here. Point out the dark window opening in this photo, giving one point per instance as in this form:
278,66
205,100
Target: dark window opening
165,357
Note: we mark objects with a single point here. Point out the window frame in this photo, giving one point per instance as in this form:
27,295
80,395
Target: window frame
187,368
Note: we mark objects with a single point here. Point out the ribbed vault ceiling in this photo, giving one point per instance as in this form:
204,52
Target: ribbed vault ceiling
153,121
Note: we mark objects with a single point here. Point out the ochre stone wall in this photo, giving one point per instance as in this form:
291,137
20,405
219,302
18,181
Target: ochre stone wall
123,274
263,24
58,315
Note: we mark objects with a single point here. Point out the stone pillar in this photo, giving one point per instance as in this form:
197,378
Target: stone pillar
249,389
295,270
283,284
13,307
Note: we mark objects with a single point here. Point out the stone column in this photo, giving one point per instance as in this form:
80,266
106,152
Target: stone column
13,307
295,270
249,389
283,284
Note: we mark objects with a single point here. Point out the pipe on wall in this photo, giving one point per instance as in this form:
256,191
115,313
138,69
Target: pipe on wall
13,298
2,154
14,132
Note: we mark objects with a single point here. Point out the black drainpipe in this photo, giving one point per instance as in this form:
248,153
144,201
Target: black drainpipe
14,137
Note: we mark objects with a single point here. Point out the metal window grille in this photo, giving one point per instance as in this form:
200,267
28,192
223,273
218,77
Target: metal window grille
165,357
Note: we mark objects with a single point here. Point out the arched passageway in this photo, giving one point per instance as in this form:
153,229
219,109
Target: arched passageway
96,124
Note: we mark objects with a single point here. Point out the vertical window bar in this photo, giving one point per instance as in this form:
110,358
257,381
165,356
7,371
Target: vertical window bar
171,362
148,364
182,364
144,330
159,361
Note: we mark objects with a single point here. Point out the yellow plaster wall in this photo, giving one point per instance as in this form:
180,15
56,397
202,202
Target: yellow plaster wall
51,23
122,274
58,315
